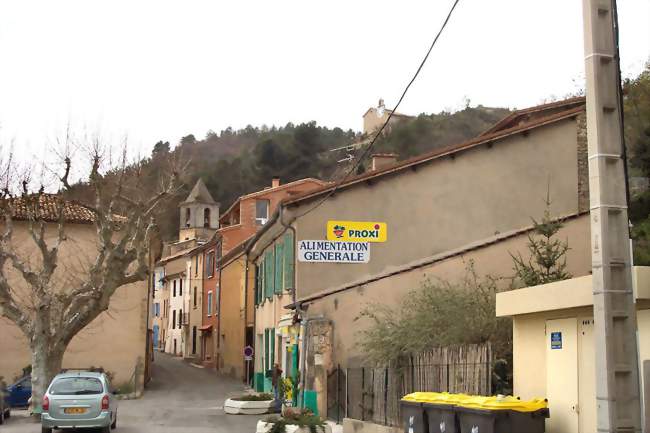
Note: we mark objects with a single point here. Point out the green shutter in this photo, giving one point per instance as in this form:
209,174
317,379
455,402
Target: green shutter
266,350
268,276
272,332
258,284
279,257
288,261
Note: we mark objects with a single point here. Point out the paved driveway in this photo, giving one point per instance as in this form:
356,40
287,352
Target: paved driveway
180,398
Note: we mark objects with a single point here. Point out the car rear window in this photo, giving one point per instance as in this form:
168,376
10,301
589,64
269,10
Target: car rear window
76,386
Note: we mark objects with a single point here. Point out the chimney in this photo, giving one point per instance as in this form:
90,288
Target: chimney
275,182
381,160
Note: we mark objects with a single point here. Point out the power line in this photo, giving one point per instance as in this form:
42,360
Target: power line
368,148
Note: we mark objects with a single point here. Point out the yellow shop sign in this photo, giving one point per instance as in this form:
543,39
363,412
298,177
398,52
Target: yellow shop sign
357,231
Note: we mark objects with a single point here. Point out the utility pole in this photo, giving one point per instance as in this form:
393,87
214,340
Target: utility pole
617,372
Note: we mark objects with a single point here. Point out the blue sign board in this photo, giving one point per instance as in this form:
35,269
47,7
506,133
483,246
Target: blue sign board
556,340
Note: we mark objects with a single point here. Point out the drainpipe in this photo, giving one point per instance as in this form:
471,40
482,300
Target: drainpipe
218,269
288,226
246,363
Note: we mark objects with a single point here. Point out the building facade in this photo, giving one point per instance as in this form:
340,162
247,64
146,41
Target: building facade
183,268
116,340
227,330
553,347
472,200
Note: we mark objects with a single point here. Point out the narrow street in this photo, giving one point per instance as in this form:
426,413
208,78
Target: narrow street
180,398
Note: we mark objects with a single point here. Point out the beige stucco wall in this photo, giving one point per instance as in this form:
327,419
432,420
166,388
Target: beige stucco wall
116,340
344,307
232,317
448,203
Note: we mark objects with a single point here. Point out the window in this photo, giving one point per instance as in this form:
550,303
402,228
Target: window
218,255
209,303
174,319
196,266
288,261
77,386
279,257
269,268
206,218
259,272
180,319
209,264
174,291
195,297
180,287
156,309
188,214
261,212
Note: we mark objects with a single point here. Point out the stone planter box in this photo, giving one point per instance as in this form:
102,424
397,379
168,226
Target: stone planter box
265,427
237,407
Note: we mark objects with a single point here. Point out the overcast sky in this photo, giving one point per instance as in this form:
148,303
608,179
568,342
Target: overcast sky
163,69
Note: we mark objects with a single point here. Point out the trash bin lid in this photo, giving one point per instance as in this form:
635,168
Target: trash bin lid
435,397
504,403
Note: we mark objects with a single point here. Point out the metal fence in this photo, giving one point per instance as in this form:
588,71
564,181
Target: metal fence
373,394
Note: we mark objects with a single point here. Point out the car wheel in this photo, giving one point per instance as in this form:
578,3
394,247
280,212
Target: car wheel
46,430
114,425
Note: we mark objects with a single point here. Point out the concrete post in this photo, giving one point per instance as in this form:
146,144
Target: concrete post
617,374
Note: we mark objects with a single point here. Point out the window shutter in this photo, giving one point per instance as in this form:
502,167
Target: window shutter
266,350
268,274
258,284
288,261
272,335
279,257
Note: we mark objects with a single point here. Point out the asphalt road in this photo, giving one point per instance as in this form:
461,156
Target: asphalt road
180,399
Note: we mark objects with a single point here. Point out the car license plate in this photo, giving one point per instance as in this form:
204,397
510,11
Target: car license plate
74,410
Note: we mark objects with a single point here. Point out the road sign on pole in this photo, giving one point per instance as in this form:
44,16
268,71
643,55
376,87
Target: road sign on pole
248,353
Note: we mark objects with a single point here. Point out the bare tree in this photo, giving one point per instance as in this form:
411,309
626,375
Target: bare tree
48,311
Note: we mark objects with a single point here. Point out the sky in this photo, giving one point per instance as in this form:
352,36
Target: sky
159,70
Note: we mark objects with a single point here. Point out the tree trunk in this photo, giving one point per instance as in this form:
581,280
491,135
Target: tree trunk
46,363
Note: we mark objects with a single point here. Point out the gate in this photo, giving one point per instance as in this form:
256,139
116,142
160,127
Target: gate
336,395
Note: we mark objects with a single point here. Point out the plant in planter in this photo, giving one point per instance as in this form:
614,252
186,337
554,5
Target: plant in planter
253,404
294,421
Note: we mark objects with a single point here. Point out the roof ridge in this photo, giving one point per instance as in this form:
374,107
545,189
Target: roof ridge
442,151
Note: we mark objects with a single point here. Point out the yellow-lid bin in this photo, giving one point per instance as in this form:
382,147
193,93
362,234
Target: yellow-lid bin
501,402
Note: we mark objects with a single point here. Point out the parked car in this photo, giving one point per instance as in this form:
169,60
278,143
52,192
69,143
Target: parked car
5,408
79,399
20,392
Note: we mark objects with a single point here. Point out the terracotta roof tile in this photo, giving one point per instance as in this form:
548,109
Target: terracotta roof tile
46,207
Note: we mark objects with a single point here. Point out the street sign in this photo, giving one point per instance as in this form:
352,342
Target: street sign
248,353
357,231
322,251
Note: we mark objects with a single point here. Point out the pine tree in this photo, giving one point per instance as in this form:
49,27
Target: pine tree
547,261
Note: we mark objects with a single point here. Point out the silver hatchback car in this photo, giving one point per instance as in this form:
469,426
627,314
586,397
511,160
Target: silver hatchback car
79,399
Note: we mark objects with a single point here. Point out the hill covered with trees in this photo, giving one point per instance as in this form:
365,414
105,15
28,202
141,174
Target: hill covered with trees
237,162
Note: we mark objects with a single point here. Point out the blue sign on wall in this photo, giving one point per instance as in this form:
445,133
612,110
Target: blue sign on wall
556,340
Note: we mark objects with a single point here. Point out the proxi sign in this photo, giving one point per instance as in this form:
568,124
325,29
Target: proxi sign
357,231
333,252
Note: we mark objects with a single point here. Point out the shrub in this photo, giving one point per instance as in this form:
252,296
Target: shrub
302,418
254,397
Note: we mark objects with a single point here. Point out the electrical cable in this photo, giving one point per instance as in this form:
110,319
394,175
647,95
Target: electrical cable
368,148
